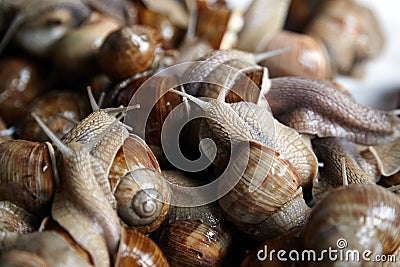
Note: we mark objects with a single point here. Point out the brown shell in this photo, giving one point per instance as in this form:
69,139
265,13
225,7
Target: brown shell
366,216
274,181
20,83
291,240
171,34
191,243
136,249
16,219
307,57
64,103
350,32
27,169
212,22
128,51
148,93
141,194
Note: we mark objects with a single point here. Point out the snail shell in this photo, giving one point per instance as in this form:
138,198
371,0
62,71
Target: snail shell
19,86
291,240
48,107
191,243
16,219
341,160
136,249
267,200
366,216
128,51
349,44
141,194
307,58
27,168
42,249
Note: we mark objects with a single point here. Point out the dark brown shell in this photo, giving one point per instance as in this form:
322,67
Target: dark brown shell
136,249
20,83
16,219
26,176
64,103
191,243
128,51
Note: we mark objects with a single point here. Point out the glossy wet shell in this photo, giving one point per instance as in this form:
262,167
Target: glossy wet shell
367,216
27,169
266,183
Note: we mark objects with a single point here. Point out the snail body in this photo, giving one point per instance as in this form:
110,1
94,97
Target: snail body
78,187
327,111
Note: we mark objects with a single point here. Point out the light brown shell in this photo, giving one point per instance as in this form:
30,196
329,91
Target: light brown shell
136,249
27,177
191,243
128,51
141,194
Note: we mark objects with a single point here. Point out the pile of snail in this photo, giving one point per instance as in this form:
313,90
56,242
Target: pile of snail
86,181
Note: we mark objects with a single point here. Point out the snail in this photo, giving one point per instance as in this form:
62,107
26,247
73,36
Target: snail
128,51
355,217
36,26
28,168
20,83
49,107
326,110
300,13
350,44
73,205
343,163
209,214
125,168
270,159
142,196
42,249
254,33
307,58
75,52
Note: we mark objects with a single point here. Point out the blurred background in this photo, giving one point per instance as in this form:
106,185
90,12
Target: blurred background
380,85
